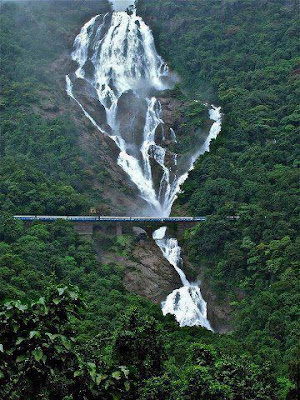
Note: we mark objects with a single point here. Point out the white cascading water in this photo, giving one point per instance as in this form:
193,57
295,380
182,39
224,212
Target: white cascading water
125,59
187,303
115,56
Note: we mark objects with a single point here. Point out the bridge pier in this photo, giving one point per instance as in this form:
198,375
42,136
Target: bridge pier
119,230
84,228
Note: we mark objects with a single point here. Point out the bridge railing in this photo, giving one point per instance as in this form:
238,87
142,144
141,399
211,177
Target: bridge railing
104,218
89,218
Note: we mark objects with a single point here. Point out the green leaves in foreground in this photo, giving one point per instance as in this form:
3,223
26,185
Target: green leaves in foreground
39,357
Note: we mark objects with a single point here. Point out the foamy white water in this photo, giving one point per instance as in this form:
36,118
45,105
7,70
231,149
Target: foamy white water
187,303
124,59
117,59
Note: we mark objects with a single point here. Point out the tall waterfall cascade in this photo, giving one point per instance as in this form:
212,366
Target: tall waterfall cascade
115,84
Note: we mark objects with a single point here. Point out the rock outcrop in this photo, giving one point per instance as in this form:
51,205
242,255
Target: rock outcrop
146,272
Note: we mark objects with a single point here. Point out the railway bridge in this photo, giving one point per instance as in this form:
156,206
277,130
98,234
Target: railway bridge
85,225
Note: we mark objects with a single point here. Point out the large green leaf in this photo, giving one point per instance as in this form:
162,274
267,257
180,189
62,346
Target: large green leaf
66,343
52,336
61,291
116,375
37,354
124,370
21,358
92,370
100,378
77,373
33,334
19,340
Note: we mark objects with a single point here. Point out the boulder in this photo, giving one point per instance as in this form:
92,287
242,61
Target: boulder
139,233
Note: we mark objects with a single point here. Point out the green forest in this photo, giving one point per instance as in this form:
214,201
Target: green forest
245,56
42,168
69,330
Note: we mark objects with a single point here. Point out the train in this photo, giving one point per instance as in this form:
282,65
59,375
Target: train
90,218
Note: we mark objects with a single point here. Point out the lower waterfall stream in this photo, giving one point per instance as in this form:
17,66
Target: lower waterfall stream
119,68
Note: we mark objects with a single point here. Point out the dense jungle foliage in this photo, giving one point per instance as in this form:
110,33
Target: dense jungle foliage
41,168
244,56
68,328
103,343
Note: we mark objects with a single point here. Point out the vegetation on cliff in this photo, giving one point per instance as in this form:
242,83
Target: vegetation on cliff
104,342
43,168
244,56
239,54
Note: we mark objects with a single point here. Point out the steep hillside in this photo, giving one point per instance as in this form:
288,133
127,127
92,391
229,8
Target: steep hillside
54,160
244,56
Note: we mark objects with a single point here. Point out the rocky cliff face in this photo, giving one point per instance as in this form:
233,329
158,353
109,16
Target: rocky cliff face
218,312
146,272
150,275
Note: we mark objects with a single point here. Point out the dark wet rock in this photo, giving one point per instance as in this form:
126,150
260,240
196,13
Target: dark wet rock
157,172
160,135
218,313
86,94
82,88
139,233
70,66
131,118
170,111
89,69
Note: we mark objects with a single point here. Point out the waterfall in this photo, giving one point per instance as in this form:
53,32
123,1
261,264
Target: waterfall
118,75
185,303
